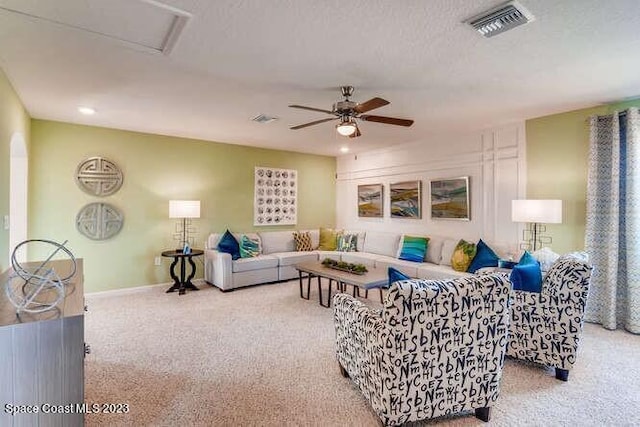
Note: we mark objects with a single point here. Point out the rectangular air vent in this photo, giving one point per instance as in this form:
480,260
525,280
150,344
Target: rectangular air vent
263,118
500,19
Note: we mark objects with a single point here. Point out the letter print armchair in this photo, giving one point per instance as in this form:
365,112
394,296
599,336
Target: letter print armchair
546,327
436,348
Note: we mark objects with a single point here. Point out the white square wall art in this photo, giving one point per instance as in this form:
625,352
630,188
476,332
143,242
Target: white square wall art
275,196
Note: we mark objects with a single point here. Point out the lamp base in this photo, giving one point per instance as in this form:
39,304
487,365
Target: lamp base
534,238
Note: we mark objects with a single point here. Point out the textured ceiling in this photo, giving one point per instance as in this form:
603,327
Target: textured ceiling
236,59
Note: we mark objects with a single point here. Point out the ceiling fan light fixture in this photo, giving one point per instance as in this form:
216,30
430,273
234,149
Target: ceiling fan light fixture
346,128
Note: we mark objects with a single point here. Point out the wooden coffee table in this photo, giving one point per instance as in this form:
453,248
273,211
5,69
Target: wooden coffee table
372,279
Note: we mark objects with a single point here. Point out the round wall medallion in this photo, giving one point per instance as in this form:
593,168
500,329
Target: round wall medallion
99,177
99,221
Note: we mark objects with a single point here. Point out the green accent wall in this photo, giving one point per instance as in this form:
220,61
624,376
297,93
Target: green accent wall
13,118
557,163
157,169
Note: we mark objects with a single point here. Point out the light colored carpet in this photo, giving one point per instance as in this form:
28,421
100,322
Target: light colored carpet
262,356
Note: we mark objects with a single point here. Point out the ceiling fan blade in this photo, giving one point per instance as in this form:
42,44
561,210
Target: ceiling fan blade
371,104
313,123
311,109
386,120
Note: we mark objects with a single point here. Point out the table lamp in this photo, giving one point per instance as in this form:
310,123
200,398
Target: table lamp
535,213
185,210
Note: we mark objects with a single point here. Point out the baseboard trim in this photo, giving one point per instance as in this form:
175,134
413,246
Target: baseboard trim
137,289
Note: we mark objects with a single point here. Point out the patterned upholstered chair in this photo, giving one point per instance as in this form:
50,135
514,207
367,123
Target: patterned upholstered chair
546,327
436,347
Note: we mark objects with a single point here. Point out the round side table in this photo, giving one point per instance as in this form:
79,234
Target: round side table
182,283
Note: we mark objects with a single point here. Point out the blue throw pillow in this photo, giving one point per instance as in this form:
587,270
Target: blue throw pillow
395,275
230,245
527,258
485,257
413,248
526,275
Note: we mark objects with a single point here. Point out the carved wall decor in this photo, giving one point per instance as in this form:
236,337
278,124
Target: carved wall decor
276,196
99,221
99,176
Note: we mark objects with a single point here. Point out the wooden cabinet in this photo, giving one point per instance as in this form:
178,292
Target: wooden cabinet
42,359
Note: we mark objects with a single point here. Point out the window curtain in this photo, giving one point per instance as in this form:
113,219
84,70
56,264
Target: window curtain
613,221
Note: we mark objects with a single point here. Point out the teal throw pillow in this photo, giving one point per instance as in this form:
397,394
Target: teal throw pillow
527,258
396,275
485,257
413,248
347,242
526,275
249,247
229,244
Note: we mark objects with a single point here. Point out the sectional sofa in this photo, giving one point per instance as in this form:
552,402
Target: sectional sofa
278,257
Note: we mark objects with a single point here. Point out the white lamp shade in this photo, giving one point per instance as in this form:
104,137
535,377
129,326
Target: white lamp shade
540,211
346,128
184,208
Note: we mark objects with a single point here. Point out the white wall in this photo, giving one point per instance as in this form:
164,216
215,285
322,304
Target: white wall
18,189
494,160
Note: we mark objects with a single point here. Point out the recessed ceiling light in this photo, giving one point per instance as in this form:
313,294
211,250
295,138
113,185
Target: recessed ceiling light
87,111
344,149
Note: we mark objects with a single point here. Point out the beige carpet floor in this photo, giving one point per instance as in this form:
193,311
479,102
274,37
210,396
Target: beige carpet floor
262,356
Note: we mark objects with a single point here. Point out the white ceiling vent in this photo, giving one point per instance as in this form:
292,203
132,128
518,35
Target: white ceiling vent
500,19
263,118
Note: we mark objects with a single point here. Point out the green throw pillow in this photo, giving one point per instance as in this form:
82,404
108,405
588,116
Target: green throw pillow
414,248
328,239
249,247
347,242
463,255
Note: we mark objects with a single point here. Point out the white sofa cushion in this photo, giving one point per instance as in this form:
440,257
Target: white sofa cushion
291,258
255,263
212,241
381,243
328,254
434,249
359,258
448,246
315,238
277,241
439,272
406,267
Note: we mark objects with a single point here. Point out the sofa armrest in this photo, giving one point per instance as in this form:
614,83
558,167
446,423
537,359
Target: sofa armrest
359,343
218,269
546,327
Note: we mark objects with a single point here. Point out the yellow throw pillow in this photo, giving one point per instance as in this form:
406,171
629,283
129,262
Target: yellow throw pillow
328,239
463,255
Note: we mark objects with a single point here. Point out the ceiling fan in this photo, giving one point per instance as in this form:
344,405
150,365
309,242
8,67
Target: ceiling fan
348,112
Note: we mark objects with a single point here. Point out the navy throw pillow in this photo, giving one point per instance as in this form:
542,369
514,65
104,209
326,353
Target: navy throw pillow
485,257
229,244
526,275
395,275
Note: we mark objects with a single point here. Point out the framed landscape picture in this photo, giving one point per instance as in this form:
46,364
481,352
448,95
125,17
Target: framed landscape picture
370,201
405,199
450,198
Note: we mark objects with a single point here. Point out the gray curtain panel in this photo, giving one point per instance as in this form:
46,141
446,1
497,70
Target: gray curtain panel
613,221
